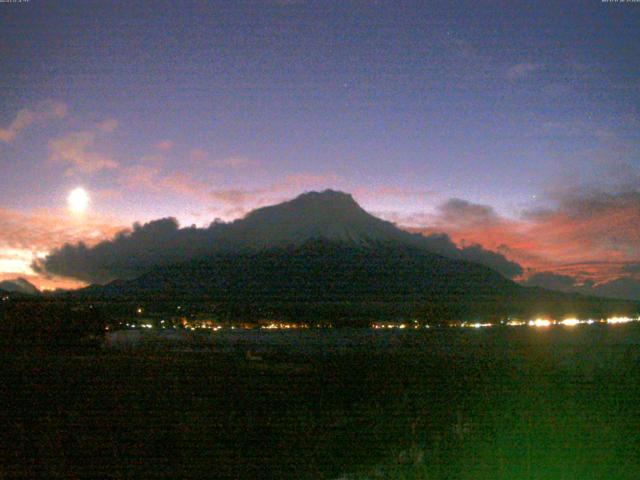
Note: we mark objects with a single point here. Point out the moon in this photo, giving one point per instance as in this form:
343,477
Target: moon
78,200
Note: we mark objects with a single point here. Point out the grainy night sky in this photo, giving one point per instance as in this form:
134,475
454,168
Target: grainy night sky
514,125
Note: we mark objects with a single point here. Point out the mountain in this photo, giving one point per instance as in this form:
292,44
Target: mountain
345,283
321,256
333,216
329,215
19,285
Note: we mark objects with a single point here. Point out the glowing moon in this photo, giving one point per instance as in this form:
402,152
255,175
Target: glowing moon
78,200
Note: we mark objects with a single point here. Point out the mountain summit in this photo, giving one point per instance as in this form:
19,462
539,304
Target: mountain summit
328,215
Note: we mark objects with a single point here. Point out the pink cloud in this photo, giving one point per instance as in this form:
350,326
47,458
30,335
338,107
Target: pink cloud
235,162
109,125
198,154
590,236
201,156
28,116
153,179
25,237
164,145
77,150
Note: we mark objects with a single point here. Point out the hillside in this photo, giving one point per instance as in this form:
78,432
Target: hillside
346,284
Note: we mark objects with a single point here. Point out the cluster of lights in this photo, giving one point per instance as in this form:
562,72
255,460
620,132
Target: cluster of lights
540,322
390,326
398,326
213,328
142,325
282,326
475,325
572,321
537,322
622,319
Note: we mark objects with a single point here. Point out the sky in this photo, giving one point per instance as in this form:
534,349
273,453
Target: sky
511,125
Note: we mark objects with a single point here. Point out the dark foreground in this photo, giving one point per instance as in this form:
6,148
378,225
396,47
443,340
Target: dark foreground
514,403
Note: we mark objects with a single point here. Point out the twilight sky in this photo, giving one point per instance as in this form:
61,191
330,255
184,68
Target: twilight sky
513,125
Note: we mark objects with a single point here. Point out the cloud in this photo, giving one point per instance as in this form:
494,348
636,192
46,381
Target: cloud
140,176
236,197
25,237
128,254
460,212
164,145
442,244
584,234
226,203
477,254
626,287
475,229
198,154
26,117
631,268
235,162
590,225
153,179
109,125
202,156
183,184
15,261
522,70
552,281
36,231
76,150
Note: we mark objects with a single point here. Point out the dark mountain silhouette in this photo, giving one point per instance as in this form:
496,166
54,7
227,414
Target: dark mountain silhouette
327,215
19,285
321,256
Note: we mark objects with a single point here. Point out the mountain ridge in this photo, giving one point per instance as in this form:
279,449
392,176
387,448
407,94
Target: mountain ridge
321,256
344,284
19,285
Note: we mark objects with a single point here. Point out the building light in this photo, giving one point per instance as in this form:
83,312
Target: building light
570,322
619,320
515,323
540,322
